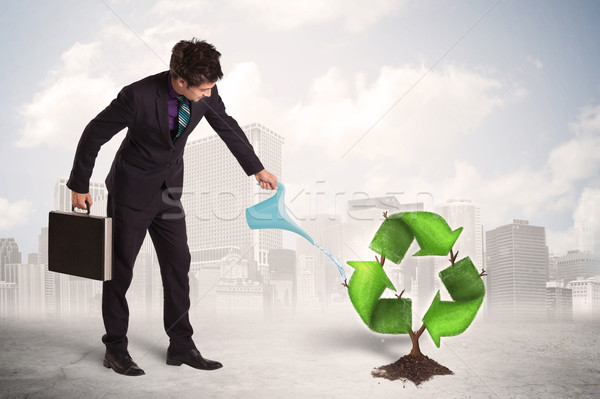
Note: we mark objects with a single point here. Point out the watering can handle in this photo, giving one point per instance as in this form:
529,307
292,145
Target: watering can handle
279,184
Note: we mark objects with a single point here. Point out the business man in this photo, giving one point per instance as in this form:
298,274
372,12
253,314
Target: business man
144,184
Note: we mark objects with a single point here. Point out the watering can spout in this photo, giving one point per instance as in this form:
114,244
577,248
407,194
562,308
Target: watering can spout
271,214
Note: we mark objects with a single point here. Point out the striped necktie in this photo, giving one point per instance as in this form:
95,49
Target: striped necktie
183,115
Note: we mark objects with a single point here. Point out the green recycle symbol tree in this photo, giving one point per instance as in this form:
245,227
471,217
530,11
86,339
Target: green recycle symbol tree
394,315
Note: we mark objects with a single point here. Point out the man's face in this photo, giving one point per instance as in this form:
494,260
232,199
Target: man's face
193,93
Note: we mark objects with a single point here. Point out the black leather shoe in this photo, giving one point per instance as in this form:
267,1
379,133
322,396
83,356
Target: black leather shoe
122,363
192,358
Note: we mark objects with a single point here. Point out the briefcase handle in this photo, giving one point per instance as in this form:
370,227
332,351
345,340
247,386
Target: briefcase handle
87,204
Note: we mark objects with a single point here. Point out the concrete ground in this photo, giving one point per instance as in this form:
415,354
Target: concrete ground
323,357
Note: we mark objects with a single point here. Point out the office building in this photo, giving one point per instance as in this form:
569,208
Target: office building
239,299
9,253
341,240
8,300
577,264
586,298
32,258
31,291
28,282
586,227
49,277
559,301
213,266
216,193
283,277
517,270
552,268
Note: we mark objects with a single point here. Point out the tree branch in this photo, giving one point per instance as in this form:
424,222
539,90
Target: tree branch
380,261
418,333
453,256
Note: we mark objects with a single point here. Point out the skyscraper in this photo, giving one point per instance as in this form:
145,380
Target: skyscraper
307,295
576,264
586,228
49,277
216,193
583,234
337,238
586,298
559,301
30,290
8,300
517,268
283,277
9,253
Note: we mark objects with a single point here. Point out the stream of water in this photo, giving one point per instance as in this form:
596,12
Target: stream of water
334,260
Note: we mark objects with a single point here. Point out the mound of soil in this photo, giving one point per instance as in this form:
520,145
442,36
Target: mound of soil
418,369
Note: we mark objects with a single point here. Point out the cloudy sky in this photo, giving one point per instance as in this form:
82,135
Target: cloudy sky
495,101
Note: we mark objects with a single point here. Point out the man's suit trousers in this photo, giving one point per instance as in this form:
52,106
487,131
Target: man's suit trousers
165,220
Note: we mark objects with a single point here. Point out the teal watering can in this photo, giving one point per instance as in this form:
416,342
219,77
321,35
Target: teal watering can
271,214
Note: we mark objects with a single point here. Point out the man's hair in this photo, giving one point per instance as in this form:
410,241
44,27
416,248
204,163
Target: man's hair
196,62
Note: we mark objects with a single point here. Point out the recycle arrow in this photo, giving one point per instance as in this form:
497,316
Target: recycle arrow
465,286
382,315
398,230
394,315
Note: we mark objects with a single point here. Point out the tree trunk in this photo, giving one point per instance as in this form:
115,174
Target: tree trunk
414,337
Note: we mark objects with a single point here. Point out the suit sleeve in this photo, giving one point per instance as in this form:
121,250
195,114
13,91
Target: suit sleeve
230,132
114,118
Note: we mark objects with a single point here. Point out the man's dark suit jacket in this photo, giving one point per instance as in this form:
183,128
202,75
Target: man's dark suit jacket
147,157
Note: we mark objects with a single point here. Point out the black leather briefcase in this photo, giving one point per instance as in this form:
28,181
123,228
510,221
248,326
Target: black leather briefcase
80,244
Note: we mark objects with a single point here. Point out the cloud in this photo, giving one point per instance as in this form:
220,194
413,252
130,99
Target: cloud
57,115
420,131
587,123
560,242
409,144
588,207
73,94
413,139
584,235
535,62
89,77
579,158
552,188
524,193
165,7
390,117
287,15
13,214
242,92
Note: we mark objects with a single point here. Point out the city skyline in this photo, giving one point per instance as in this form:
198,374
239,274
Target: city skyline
219,278
551,297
